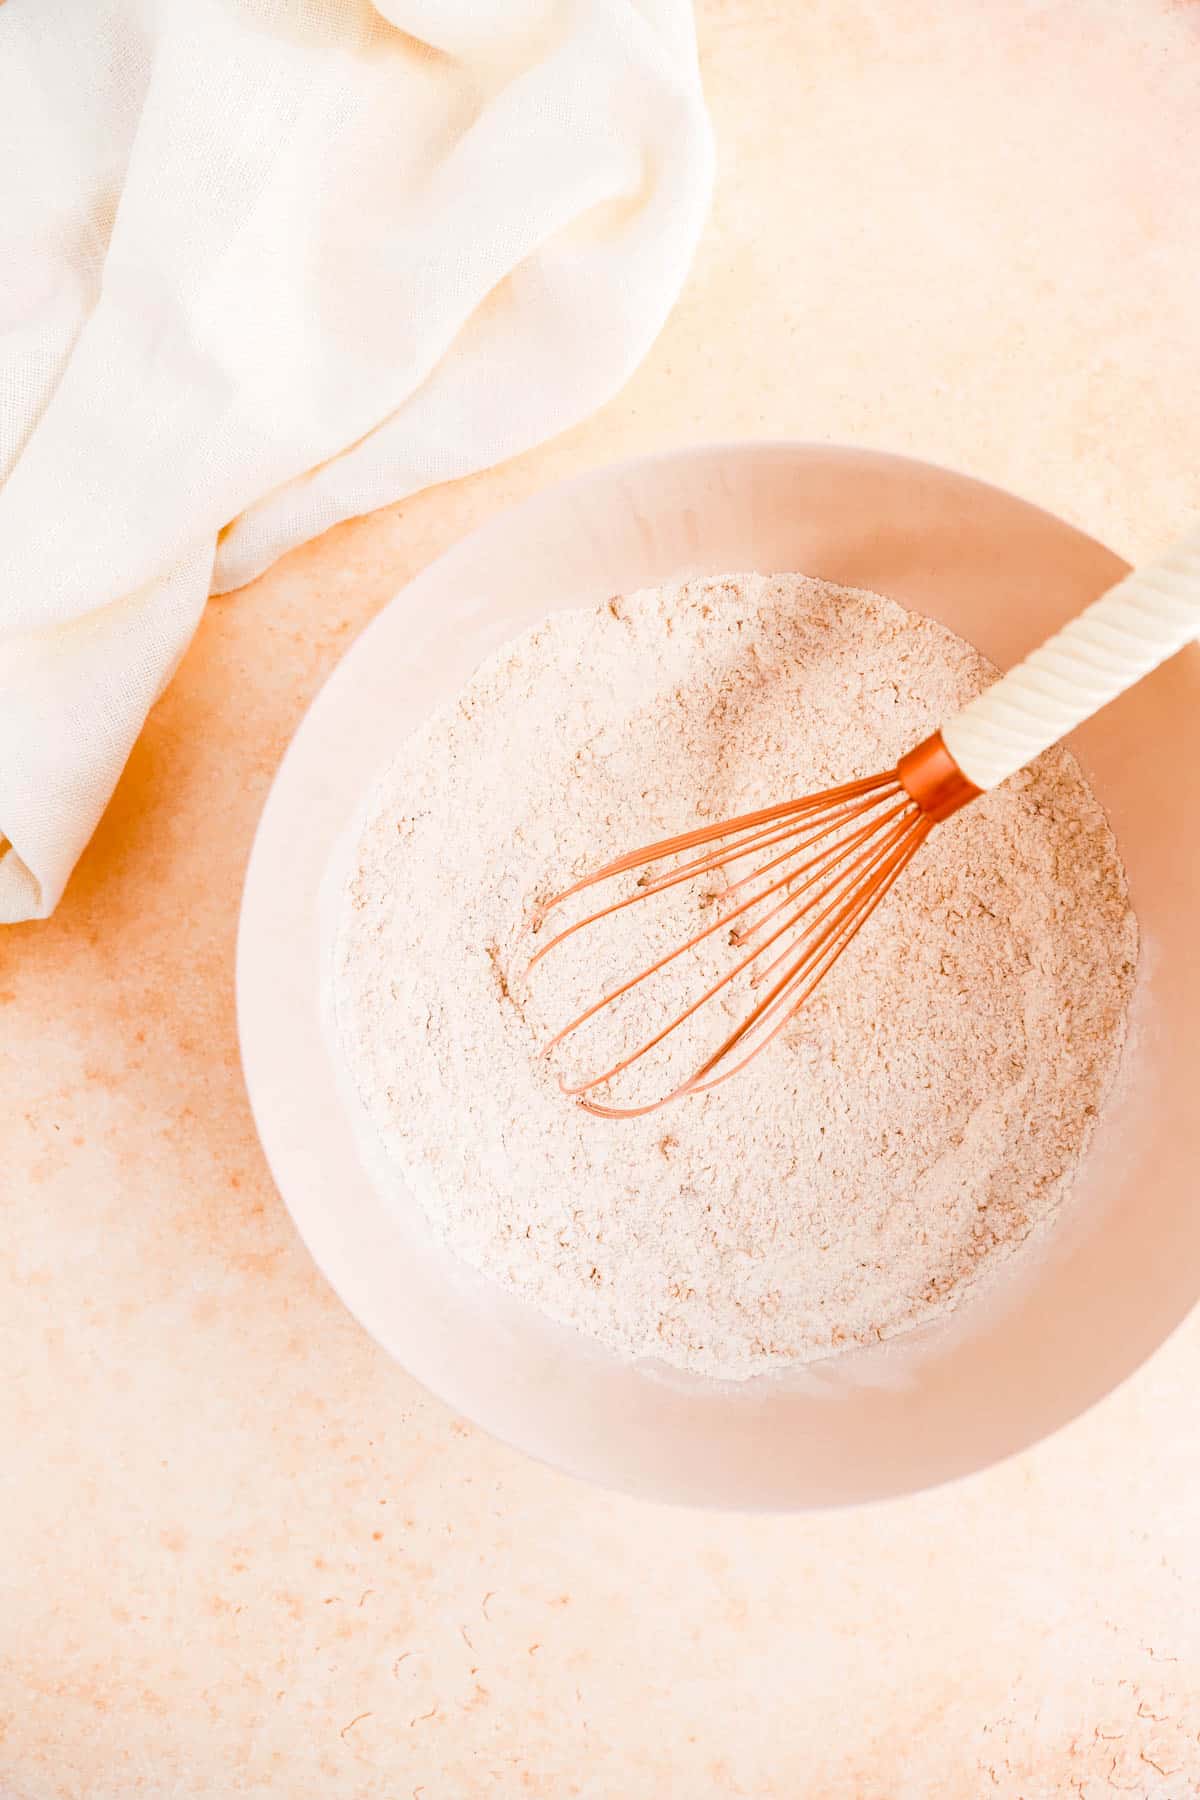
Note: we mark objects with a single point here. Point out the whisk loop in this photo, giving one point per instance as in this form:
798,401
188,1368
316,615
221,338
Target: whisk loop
830,859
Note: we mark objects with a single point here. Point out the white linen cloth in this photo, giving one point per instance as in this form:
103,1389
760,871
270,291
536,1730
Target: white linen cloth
266,264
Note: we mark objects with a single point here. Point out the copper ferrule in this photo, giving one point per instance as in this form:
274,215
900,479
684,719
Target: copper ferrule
934,779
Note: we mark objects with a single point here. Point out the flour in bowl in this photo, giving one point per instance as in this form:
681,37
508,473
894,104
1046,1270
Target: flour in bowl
917,1122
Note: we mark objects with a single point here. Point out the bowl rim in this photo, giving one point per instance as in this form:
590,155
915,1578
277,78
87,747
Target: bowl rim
269,933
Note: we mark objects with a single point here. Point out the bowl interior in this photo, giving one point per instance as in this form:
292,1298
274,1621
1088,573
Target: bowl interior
1071,1320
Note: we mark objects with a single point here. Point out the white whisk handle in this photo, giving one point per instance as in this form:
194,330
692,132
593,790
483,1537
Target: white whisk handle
1136,625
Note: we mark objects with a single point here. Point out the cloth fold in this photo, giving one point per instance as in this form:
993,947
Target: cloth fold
273,263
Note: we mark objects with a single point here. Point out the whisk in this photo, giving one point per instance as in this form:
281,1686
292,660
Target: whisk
820,865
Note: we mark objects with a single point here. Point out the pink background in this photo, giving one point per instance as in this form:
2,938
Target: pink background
240,1551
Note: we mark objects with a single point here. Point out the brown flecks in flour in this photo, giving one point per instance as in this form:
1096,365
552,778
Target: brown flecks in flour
921,1116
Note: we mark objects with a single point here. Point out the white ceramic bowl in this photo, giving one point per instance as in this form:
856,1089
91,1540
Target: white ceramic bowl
1111,1280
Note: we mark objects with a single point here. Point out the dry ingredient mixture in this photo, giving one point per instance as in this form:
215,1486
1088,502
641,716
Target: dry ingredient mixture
920,1118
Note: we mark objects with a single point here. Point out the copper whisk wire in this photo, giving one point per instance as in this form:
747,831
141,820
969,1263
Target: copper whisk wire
833,857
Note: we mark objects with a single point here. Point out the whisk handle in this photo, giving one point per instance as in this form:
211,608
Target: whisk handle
1122,636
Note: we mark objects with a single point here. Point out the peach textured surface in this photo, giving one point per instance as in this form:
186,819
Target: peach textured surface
240,1551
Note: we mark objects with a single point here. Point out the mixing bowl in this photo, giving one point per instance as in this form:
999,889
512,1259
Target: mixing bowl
1071,1316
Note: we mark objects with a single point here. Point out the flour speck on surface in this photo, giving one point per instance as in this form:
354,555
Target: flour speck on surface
919,1120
